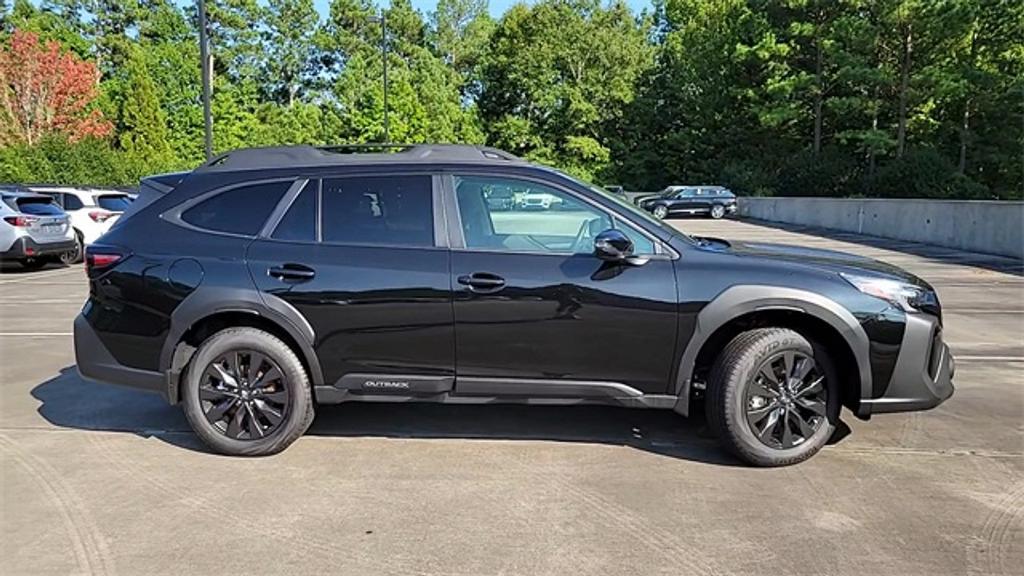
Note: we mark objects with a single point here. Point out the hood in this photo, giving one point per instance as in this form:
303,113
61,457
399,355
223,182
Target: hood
827,260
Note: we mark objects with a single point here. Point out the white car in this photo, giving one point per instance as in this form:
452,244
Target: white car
537,200
92,210
33,229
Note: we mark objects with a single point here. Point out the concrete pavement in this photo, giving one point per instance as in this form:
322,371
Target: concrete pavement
104,480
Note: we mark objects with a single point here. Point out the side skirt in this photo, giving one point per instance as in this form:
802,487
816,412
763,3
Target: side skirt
449,390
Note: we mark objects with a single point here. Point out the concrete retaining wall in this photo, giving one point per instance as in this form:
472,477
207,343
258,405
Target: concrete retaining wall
990,227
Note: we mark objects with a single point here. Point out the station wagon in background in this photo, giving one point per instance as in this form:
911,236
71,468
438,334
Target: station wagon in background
713,201
272,280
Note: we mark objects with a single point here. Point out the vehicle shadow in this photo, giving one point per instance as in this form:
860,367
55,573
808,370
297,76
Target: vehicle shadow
68,401
15,269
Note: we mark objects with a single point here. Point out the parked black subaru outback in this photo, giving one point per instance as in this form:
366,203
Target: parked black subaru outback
270,280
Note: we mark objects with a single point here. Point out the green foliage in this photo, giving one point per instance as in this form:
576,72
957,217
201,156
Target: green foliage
896,98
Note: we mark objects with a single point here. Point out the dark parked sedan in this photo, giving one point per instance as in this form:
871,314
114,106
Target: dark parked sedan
714,201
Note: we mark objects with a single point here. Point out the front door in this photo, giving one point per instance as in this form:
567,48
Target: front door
536,311
369,277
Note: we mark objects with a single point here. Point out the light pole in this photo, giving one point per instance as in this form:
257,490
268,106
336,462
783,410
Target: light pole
384,54
204,56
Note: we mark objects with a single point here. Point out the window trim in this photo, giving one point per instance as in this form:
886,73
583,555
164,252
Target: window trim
457,236
173,215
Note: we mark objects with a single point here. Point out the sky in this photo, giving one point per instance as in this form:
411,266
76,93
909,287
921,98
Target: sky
497,7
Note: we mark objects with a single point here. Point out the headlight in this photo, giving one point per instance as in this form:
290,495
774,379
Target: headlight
906,296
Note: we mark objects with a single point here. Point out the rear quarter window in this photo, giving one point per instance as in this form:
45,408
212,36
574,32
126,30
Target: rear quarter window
242,210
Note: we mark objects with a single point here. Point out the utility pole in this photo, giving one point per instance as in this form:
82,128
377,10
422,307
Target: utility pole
384,54
204,56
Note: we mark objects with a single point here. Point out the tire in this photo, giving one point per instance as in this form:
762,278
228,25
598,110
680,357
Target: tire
731,394
717,211
74,256
32,263
660,212
295,410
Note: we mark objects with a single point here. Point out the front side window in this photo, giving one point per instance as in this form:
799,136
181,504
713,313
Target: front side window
541,219
387,210
241,210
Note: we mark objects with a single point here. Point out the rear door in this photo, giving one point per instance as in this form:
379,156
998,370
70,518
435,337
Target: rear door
360,257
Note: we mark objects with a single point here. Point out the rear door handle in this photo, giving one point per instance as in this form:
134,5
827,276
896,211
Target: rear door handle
291,272
482,281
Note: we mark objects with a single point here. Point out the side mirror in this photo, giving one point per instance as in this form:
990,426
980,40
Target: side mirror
614,246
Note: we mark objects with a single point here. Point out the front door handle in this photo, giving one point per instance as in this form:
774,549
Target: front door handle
482,281
291,272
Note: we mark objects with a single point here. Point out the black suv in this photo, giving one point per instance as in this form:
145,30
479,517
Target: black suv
713,201
270,280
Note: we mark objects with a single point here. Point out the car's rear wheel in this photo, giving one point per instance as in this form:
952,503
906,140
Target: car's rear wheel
246,393
660,212
717,211
74,256
773,397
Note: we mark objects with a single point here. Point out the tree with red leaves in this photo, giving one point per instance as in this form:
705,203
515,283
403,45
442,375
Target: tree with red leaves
45,91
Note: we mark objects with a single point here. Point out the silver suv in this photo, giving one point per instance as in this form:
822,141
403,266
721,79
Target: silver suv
33,229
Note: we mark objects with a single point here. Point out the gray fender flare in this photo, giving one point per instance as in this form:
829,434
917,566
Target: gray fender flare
742,299
205,302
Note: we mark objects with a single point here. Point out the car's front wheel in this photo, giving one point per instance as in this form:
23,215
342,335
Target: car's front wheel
773,397
246,393
717,211
660,212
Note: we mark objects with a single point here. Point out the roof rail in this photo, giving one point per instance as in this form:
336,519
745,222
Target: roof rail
376,153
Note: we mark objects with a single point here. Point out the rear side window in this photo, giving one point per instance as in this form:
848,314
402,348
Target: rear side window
38,207
299,222
241,210
392,210
113,202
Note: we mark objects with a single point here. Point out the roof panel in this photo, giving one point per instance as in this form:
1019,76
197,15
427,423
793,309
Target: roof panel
311,156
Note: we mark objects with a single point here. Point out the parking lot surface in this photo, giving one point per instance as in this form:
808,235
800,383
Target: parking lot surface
103,480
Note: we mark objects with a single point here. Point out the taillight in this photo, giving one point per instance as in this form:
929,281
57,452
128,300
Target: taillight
101,257
20,221
100,215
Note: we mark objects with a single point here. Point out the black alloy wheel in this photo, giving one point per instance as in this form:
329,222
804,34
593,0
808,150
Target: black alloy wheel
244,395
786,403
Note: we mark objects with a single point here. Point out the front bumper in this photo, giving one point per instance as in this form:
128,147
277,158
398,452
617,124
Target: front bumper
96,363
923,376
26,247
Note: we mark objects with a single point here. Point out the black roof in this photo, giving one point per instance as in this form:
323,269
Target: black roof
311,156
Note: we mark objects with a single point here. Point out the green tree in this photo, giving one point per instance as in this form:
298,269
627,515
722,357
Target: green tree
557,75
142,123
291,25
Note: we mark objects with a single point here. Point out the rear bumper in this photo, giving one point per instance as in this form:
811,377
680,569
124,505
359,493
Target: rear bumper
923,376
26,247
96,363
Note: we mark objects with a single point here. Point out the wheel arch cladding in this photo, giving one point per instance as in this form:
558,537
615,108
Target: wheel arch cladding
200,317
744,307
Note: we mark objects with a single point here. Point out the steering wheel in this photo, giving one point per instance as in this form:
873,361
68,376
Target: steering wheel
584,242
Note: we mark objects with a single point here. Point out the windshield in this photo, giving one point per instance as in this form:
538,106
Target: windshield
634,211
113,202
